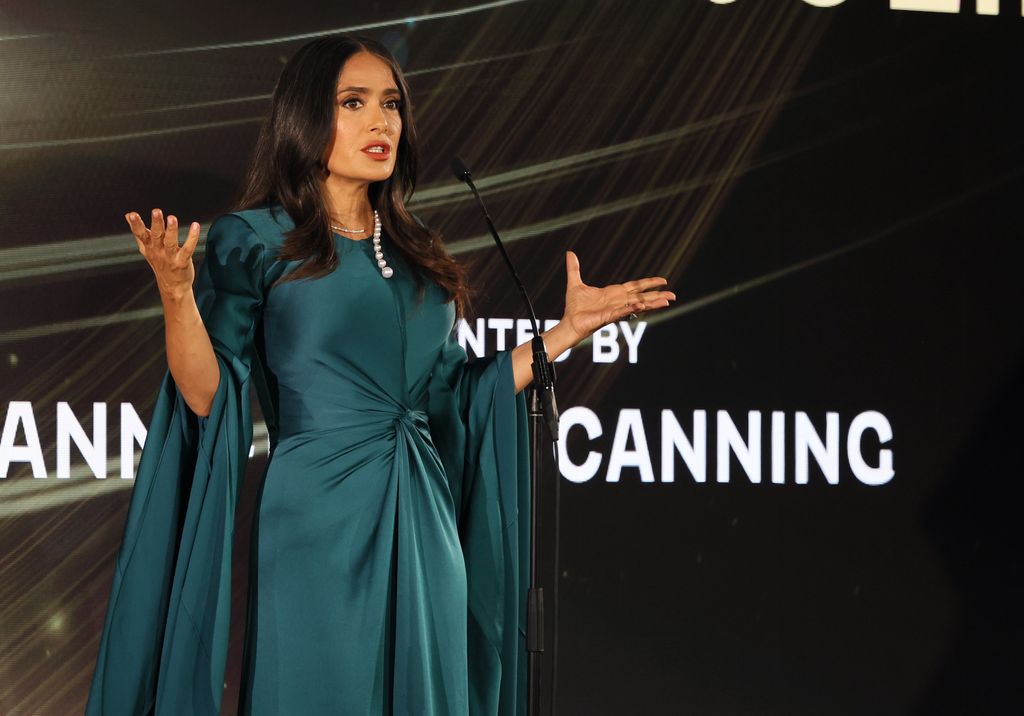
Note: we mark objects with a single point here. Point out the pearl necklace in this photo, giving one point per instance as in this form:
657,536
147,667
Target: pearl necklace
385,270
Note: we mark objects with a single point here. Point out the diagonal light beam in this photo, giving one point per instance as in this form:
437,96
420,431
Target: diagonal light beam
412,19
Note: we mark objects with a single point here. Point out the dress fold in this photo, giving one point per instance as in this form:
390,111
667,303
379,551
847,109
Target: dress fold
165,637
480,428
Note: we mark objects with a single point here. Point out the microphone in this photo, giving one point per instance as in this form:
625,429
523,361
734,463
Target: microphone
543,370
462,173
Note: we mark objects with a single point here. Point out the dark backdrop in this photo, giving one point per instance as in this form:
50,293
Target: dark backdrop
834,194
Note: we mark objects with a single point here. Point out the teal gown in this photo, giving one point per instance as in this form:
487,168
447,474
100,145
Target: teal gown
390,549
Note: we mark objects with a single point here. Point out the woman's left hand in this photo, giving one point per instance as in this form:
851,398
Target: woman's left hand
588,308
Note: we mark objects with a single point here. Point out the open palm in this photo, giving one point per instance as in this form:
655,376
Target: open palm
588,308
171,263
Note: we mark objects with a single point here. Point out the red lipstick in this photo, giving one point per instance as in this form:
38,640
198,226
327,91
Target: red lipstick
378,150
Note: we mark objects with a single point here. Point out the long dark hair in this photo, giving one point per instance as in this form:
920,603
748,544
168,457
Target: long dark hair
288,166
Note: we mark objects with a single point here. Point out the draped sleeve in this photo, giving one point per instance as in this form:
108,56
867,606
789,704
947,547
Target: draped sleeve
164,643
478,424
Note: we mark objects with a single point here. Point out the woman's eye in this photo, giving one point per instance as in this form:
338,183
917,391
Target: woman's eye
392,104
351,102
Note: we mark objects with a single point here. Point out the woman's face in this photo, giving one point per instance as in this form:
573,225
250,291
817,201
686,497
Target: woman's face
367,122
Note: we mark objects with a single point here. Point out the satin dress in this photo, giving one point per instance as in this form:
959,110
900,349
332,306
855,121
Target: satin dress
390,557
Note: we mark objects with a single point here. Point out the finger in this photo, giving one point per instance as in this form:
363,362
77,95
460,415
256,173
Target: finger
157,227
649,296
141,244
192,239
630,311
631,299
572,269
635,309
171,232
139,230
642,284
647,305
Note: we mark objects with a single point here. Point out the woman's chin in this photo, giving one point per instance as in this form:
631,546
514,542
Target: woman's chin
381,174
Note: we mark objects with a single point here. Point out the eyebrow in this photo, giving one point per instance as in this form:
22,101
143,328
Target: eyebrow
366,90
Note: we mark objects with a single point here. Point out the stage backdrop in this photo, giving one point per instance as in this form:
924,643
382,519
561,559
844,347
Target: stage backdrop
792,493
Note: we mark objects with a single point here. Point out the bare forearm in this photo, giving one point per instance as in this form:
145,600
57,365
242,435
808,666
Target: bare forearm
558,340
190,356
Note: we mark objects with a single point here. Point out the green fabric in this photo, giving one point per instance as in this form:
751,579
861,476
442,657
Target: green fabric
390,551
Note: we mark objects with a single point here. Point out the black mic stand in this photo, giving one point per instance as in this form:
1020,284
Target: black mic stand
542,408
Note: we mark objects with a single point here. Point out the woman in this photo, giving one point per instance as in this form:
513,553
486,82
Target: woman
395,498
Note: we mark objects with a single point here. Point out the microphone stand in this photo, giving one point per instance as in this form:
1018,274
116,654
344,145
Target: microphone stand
542,409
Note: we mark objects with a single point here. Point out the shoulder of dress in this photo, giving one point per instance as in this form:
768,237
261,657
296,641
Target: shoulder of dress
269,224
257,234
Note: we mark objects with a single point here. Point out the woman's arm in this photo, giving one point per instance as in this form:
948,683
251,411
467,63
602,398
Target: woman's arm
587,308
190,355
557,340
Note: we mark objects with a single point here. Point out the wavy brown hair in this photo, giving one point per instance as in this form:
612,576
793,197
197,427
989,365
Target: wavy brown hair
288,168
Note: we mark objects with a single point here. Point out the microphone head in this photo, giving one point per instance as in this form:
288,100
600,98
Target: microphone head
459,169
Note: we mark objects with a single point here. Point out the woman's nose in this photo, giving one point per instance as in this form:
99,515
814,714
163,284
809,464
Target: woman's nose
380,121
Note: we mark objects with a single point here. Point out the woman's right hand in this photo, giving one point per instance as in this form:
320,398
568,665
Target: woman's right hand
190,356
172,264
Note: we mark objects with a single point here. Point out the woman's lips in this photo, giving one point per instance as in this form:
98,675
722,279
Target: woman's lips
380,156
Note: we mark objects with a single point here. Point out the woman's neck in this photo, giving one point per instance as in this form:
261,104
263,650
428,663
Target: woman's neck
349,205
